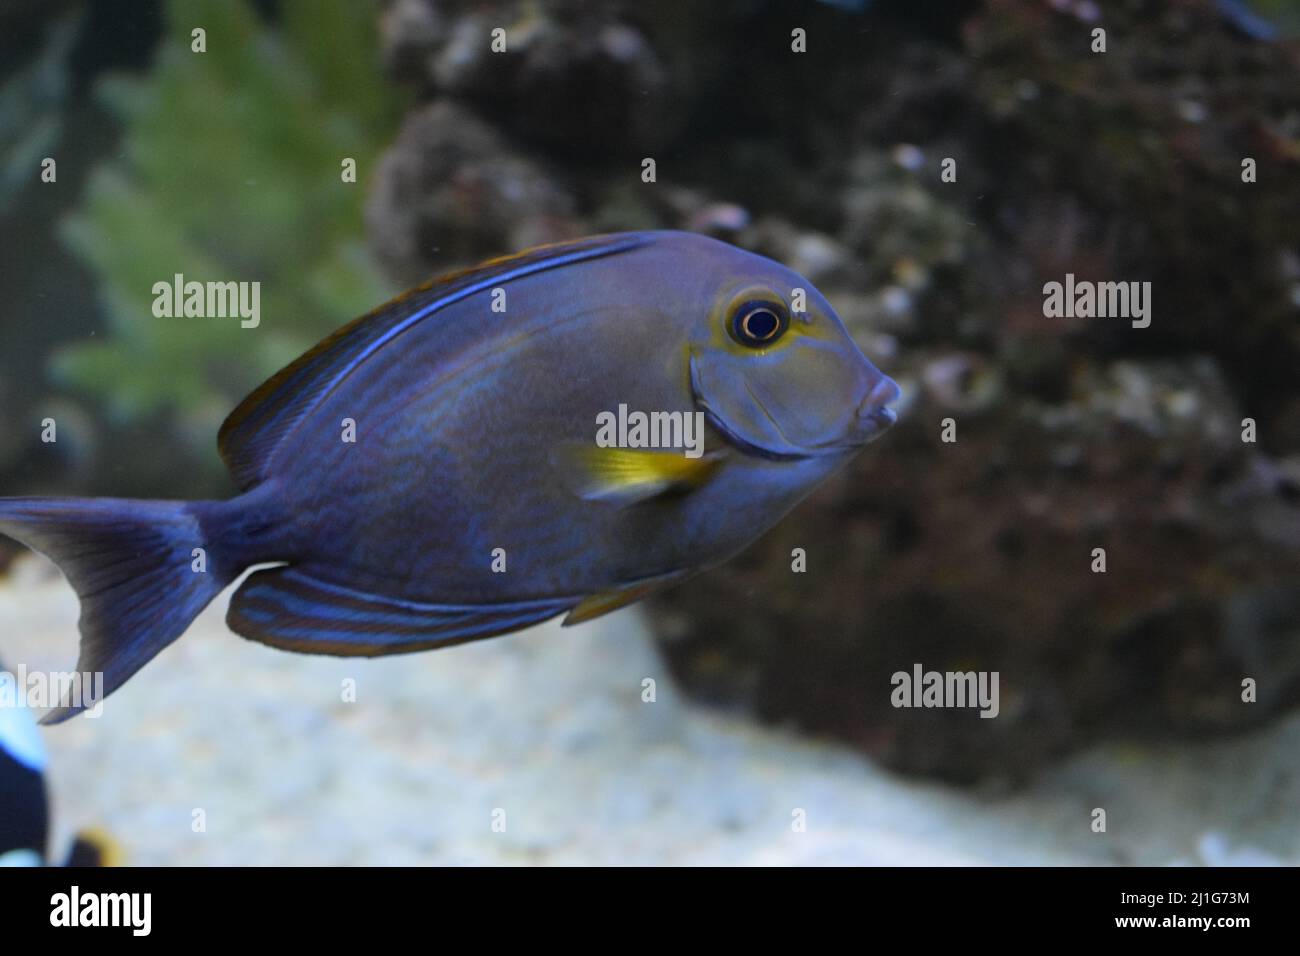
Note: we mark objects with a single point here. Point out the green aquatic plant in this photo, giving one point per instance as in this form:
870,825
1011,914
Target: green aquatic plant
32,104
230,169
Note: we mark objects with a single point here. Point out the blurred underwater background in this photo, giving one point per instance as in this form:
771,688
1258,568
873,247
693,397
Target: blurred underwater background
1120,690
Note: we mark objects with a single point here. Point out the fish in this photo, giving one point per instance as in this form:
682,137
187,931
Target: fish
430,474
24,811
24,796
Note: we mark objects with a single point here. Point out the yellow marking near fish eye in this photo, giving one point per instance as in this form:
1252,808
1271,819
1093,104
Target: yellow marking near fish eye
753,296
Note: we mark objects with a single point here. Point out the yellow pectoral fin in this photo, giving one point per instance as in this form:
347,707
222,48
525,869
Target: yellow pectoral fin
603,602
626,475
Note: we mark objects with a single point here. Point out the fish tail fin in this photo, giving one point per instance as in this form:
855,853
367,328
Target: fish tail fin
135,567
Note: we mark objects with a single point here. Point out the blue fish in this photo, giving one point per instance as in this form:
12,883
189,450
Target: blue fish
559,432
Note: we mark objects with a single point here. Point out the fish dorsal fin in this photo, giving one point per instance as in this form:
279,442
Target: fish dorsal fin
251,433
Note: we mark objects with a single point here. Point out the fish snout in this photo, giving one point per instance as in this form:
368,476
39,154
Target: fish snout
874,415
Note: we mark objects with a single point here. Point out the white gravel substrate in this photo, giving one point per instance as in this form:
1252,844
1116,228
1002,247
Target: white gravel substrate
549,727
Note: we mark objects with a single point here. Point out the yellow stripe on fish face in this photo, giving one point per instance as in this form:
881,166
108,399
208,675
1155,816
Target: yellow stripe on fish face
807,322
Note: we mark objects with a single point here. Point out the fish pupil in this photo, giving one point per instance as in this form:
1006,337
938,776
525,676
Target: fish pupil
758,324
761,324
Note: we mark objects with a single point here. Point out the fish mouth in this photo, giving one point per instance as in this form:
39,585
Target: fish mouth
871,420
874,415
867,429
874,423
765,438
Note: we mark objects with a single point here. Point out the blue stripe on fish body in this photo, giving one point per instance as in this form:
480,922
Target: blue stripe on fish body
304,383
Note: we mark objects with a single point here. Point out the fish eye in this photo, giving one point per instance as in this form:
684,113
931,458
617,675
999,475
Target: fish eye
758,324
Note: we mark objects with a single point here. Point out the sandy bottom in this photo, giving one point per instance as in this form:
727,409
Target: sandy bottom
538,748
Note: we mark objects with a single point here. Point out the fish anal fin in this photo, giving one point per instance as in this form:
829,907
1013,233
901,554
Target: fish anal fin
290,609
612,599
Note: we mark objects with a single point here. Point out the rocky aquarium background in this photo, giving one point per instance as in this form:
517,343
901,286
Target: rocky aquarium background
974,554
